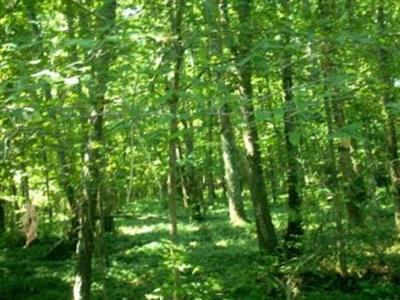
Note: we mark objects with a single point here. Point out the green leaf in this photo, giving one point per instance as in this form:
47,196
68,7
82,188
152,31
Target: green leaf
294,137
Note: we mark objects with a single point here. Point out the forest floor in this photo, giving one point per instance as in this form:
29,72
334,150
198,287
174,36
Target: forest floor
216,261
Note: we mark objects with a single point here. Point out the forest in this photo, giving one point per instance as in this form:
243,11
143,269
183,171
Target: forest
199,149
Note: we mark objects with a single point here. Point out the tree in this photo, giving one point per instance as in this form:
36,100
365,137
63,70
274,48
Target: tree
265,229
351,180
177,9
93,162
233,183
294,227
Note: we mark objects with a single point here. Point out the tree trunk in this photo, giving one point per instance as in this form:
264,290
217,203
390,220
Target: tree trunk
265,230
177,8
47,185
331,167
25,185
388,97
66,175
193,182
2,216
230,157
94,160
181,176
294,227
351,181
209,175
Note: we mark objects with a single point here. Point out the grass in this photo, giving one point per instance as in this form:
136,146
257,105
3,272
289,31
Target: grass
215,260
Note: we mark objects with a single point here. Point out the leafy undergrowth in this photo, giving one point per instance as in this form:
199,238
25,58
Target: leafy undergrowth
215,261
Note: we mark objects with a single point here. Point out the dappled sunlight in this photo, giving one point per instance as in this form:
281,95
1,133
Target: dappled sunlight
127,230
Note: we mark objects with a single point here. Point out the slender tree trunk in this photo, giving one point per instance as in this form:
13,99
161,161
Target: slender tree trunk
182,178
2,216
25,185
94,161
237,214
332,183
294,227
66,174
193,182
177,8
209,175
351,181
273,162
388,97
331,168
265,229
47,186
13,209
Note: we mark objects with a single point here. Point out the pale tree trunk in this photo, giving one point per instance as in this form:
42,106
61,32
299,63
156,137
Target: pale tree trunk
230,157
181,176
388,97
265,228
230,154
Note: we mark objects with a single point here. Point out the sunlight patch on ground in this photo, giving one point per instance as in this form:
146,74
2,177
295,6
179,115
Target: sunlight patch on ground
189,228
151,246
395,249
222,243
129,230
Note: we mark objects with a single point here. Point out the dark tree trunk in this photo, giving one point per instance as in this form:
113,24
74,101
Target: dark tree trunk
94,161
193,181
2,216
294,227
209,174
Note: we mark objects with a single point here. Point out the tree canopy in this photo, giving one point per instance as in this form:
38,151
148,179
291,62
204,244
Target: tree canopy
208,149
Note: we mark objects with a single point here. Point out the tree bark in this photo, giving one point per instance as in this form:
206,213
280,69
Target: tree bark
294,227
94,161
230,157
265,229
193,182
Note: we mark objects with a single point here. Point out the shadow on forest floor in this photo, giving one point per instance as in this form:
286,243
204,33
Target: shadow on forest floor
215,261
